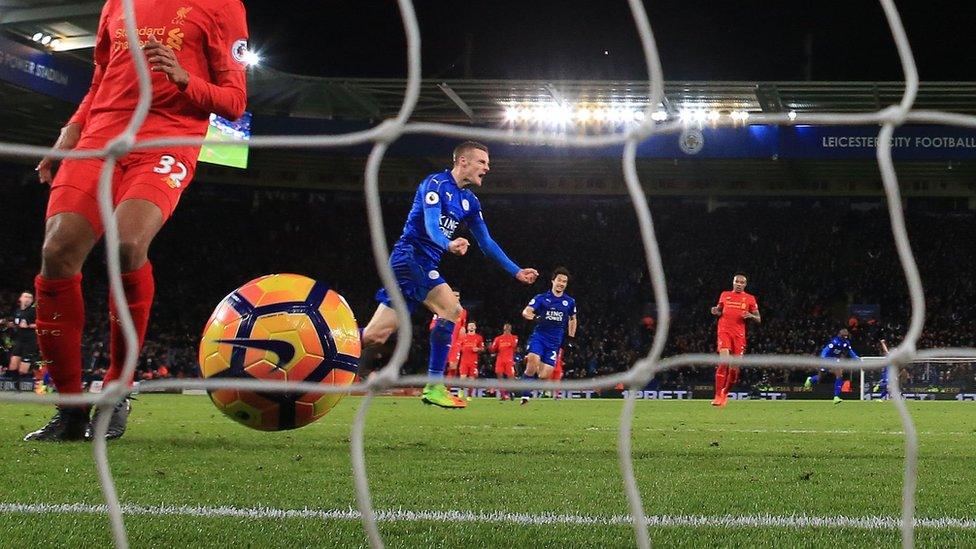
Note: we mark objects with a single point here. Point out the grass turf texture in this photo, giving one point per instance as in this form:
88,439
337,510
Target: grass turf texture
752,458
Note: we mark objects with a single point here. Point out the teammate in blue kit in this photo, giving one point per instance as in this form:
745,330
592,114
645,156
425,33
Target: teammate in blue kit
555,312
838,346
882,385
442,203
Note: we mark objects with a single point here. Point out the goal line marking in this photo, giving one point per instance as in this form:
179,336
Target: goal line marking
403,515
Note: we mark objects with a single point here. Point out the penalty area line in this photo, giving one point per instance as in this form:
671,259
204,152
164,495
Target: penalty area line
527,519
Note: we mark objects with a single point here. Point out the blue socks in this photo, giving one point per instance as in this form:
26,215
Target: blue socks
838,383
440,346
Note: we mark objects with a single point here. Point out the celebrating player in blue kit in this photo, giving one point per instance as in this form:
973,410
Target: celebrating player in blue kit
836,348
442,202
555,312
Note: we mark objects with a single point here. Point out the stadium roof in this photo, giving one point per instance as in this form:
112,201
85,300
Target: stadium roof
484,101
29,117
72,23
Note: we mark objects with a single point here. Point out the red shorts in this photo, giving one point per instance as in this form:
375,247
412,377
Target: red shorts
157,176
735,343
469,369
506,369
454,354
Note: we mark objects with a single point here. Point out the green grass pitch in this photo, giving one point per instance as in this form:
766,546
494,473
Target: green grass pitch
761,458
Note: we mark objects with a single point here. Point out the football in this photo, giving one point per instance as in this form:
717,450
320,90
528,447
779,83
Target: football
281,327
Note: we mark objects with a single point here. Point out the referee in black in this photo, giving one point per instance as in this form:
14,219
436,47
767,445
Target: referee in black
24,349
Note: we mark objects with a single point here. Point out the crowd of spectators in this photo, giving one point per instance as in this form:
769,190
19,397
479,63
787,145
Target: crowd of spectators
808,262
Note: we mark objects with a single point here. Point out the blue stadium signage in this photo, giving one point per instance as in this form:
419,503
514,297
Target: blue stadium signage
42,72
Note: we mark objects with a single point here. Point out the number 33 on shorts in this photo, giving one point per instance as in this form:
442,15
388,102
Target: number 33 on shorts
174,170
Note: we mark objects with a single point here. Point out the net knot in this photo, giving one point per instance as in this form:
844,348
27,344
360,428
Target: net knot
903,354
895,114
120,146
389,131
642,371
382,379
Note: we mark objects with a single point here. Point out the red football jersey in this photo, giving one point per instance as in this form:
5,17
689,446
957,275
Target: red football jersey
471,346
209,39
504,345
734,305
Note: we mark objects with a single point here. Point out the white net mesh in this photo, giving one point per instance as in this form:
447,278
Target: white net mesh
924,379
636,377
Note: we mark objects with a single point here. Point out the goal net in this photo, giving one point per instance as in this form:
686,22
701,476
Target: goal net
946,378
381,137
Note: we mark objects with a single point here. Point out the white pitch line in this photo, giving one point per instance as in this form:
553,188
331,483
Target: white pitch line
716,430
526,519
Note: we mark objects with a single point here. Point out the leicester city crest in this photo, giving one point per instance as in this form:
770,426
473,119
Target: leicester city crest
691,141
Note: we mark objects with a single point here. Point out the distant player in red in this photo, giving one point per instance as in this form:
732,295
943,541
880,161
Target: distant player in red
733,309
196,51
472,345
557,372
454,354
504,347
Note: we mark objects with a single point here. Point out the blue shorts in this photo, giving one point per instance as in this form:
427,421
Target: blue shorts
547,350
416,275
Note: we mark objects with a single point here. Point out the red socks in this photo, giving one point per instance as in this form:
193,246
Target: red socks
721,375
732,379
139,287
60,322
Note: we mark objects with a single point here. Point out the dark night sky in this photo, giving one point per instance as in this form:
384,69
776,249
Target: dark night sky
699,40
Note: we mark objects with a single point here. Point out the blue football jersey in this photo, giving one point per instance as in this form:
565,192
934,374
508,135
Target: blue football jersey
552,316
838,347
454,205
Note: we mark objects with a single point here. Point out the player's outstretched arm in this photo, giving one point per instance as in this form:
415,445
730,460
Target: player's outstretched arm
527,276
528,313
571,326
